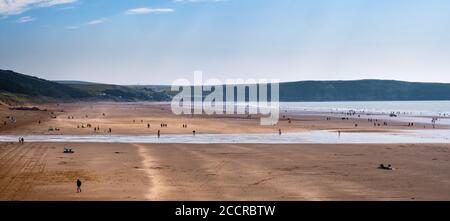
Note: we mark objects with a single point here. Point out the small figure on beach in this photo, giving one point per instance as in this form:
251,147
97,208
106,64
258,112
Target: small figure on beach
383,167
78,186
159,133
193,132
110,130
148,125
279,132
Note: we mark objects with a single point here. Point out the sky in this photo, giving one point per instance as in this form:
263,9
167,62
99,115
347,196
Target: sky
159,41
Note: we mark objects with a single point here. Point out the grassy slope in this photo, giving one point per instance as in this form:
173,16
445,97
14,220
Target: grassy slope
15,83
121,93
15,87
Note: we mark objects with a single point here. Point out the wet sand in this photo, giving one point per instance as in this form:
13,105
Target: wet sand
40,171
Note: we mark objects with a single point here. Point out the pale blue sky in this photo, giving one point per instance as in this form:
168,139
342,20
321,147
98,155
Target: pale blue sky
158,41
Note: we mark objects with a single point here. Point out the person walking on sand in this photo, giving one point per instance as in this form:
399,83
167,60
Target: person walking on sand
159,133
78,186
22,140
279,132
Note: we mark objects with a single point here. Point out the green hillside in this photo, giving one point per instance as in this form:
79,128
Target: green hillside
120,93
15,87
19,88
363,90
16,83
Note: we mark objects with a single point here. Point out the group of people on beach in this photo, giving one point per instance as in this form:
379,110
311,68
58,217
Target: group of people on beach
376,123
433,121
194,132
83,126
21,140
11,120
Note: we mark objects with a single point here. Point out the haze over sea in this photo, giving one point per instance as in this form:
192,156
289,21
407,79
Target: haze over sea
424,108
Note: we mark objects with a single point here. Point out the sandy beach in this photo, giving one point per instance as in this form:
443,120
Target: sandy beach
134,118
40,171
136,171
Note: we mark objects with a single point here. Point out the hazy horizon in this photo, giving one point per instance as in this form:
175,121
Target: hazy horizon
156,42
